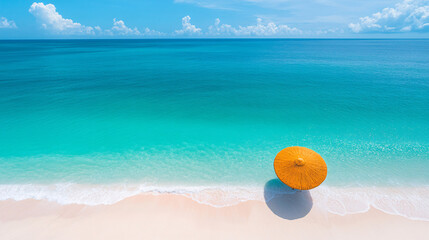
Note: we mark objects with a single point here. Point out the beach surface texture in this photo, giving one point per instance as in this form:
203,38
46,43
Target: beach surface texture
169,216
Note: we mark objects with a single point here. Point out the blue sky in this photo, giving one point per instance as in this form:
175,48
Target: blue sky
213,18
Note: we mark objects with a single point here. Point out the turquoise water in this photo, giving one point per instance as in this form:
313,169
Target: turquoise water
207,112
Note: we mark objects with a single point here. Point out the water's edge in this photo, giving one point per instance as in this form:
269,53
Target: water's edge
412,203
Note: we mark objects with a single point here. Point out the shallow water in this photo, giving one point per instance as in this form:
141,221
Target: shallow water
212,112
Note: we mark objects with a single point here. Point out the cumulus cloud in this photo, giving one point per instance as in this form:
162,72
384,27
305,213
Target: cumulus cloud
120,28
409,15
4,23
260,29
52,20
221,29
150,32
187,27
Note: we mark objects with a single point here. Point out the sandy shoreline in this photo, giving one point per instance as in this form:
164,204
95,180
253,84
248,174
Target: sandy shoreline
169,216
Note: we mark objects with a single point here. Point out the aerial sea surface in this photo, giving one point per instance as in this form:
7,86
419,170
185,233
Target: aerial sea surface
95,121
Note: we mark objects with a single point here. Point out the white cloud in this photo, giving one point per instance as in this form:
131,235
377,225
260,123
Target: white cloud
150,32
52,20
409,15
187,27
98,29
260,29
120,28
4,23
221,29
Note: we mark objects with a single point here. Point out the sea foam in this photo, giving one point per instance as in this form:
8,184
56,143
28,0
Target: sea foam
412,203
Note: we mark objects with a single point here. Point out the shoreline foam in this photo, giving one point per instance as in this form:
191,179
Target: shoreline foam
412,203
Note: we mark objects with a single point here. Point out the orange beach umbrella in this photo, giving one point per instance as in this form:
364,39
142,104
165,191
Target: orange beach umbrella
300,168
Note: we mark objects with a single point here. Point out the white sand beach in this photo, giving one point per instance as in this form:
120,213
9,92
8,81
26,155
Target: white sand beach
170,216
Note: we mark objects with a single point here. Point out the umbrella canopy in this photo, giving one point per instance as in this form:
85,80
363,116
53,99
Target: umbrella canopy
300,168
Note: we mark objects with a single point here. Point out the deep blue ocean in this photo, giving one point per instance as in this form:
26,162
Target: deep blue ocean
207,112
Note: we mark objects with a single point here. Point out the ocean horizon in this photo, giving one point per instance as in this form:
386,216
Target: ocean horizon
96,121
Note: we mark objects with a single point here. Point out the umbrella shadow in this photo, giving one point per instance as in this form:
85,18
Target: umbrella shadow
286,202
